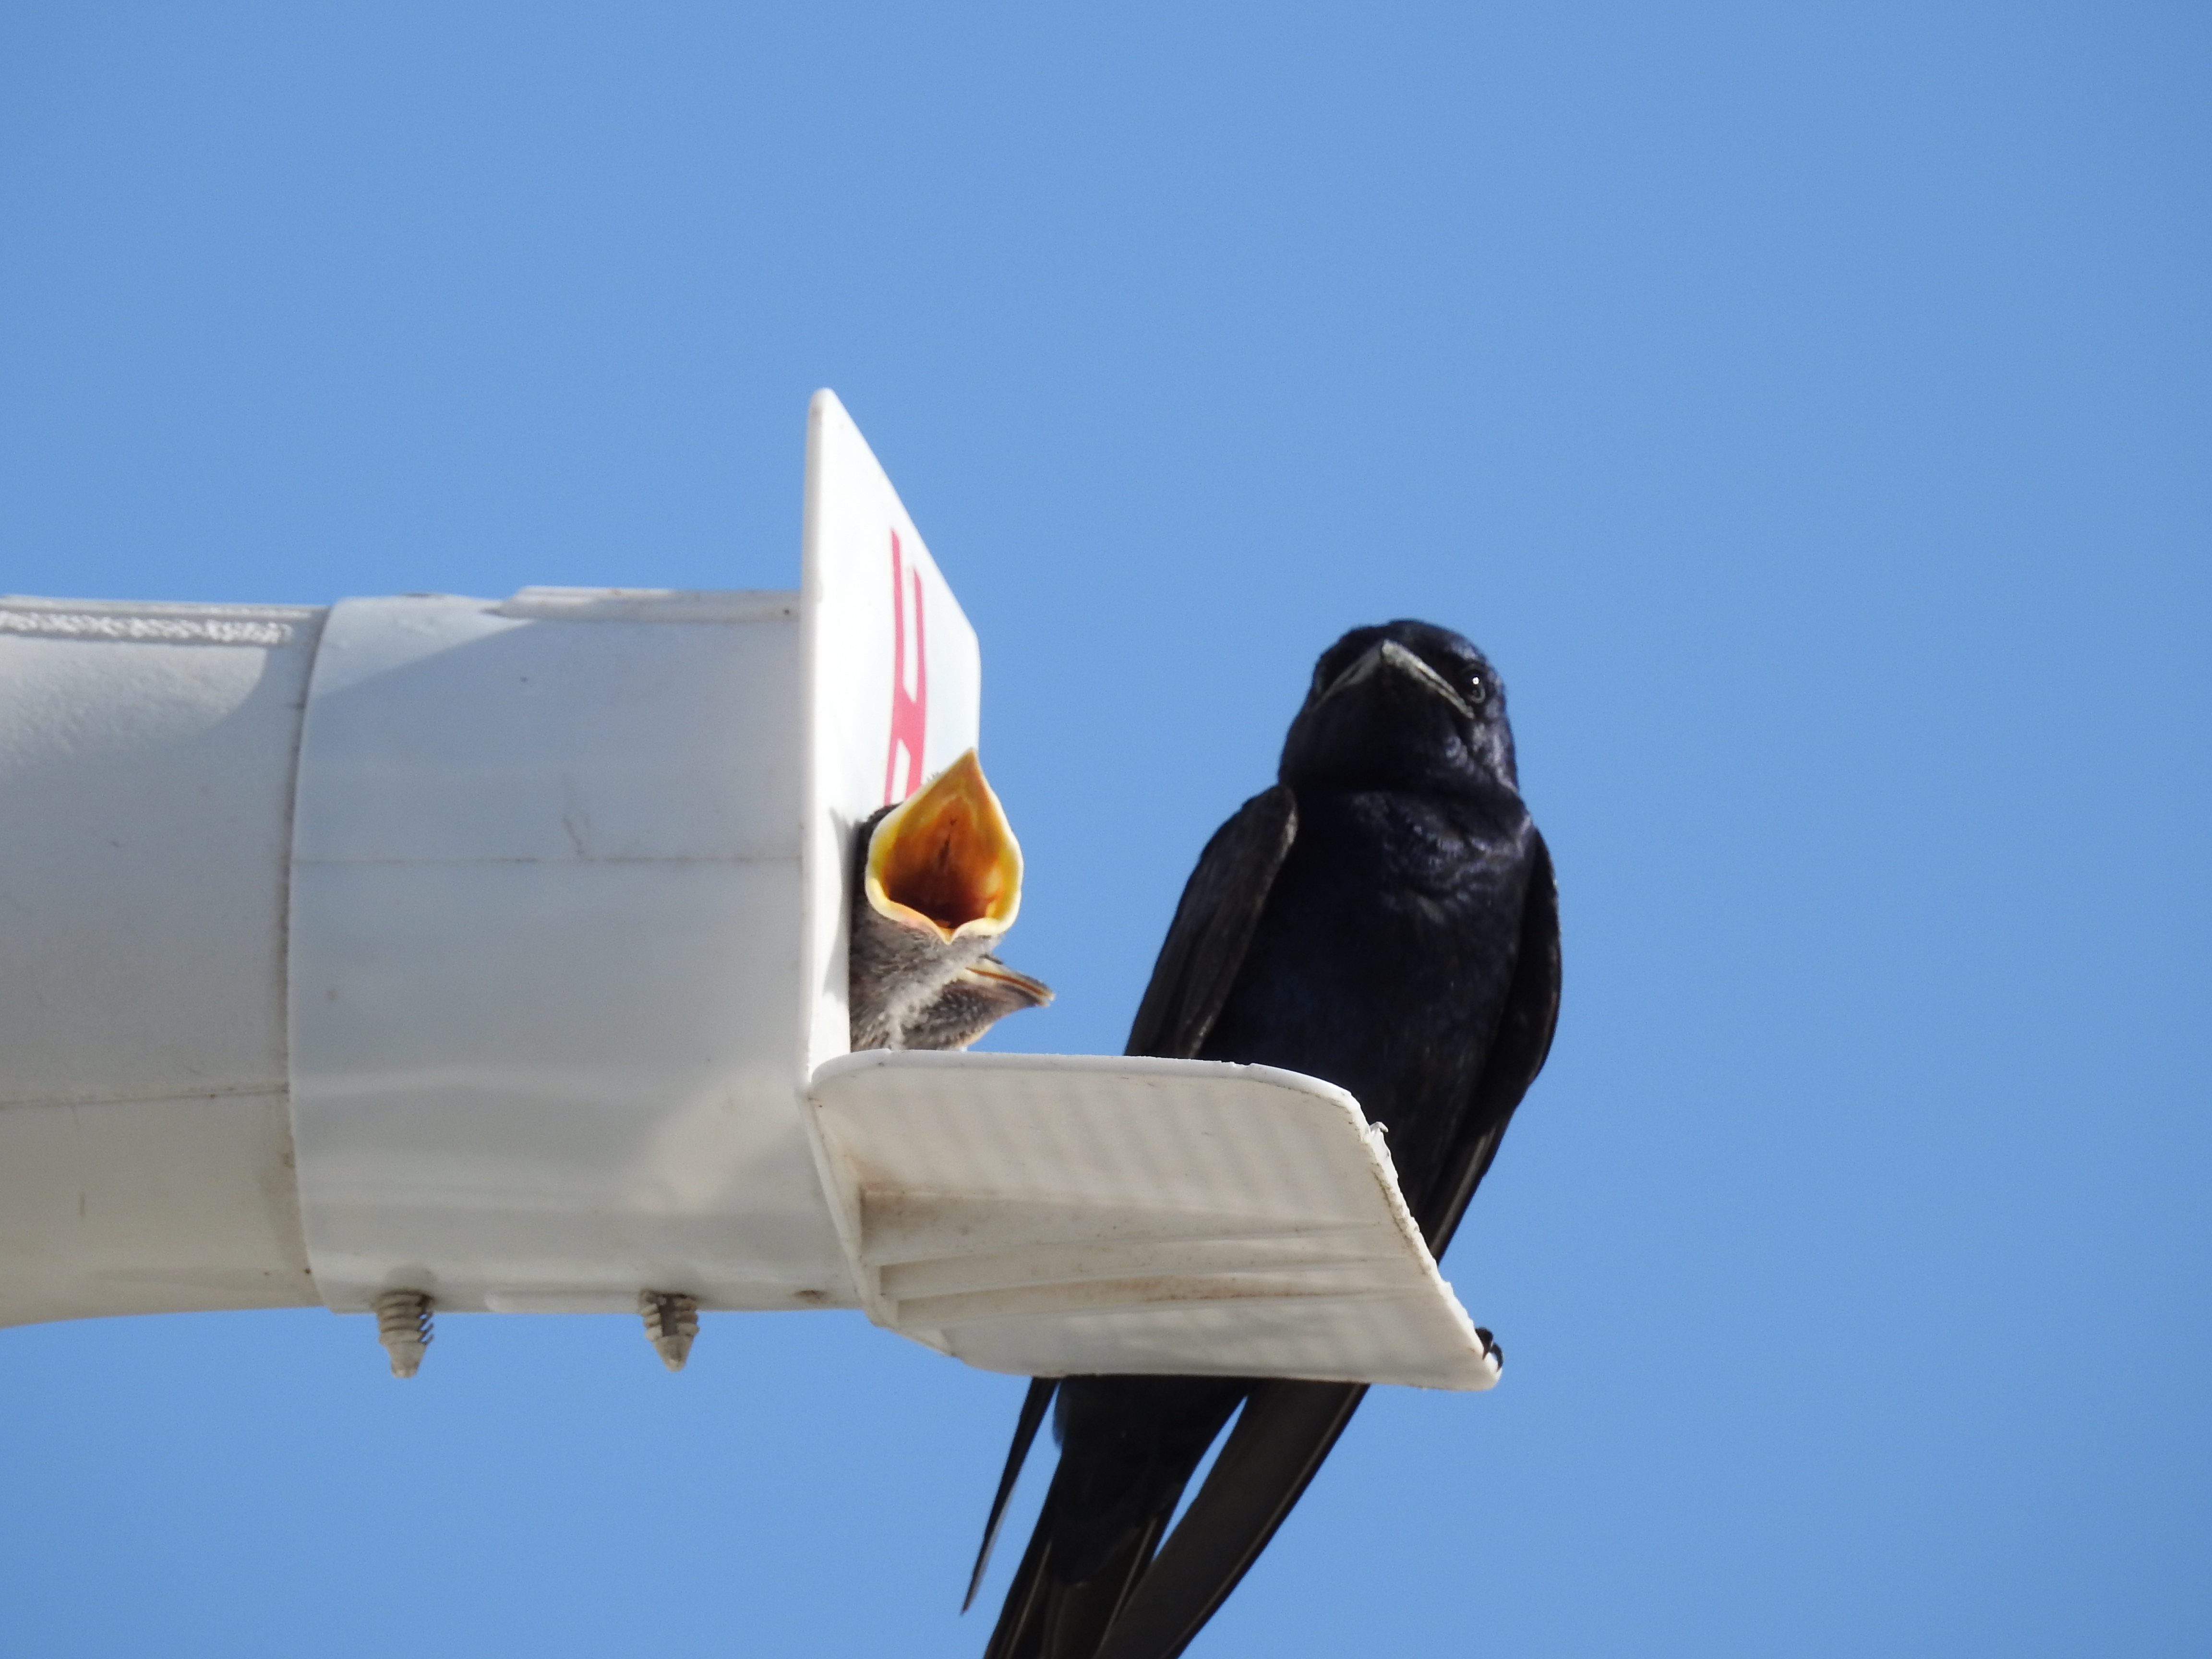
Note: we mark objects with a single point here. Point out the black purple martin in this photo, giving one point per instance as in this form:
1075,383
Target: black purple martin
1384,917
937,880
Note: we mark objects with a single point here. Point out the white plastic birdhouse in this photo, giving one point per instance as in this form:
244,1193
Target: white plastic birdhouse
494,951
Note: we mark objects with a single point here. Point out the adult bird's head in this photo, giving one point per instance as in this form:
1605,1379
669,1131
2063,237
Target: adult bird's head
1406,705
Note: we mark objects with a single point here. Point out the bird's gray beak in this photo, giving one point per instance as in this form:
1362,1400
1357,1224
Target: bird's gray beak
1392,657
946,858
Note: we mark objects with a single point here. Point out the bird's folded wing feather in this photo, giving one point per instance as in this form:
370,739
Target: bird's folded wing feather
1197,962
1517,1052
1284,1432
1041,1389
1213,927
1287,1428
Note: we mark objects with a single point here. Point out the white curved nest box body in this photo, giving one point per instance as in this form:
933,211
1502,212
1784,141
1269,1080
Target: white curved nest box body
496,950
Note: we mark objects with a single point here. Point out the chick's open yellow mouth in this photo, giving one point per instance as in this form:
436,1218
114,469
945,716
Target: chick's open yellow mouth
948,855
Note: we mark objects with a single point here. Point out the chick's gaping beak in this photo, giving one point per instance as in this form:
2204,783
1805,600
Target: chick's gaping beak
1391,656
946,858
1013,988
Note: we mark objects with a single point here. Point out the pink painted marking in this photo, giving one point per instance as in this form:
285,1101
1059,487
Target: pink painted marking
909,709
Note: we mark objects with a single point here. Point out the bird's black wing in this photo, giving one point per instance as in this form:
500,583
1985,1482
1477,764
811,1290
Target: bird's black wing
1284,1432
1213,927
1518,1051
1191,981
1287,1428
1025,1428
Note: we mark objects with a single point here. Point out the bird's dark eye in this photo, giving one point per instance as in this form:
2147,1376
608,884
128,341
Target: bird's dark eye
1478,690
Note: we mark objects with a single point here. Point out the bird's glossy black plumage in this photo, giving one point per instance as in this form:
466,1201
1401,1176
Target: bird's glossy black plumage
1384,917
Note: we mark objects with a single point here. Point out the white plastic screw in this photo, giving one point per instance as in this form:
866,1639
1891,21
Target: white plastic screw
671,1322
403,1325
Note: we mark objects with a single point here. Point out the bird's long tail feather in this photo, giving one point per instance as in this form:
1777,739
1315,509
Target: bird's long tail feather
1285,1431
1129,1448
1025,1427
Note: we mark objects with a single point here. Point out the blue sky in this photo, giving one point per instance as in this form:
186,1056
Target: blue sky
1807,408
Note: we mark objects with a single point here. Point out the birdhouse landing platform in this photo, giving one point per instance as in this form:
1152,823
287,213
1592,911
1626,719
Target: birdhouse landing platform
1048,1214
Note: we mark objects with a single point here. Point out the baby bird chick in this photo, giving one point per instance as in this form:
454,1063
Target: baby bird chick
937,879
